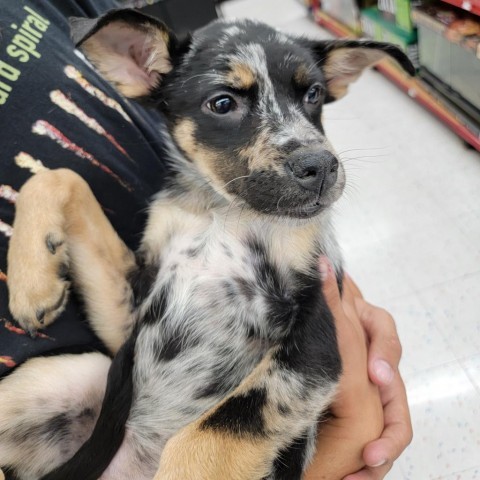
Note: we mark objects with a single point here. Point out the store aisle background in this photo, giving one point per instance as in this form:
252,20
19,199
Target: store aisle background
409,225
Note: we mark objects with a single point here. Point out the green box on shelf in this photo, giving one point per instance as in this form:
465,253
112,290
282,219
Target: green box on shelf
403,14
375,26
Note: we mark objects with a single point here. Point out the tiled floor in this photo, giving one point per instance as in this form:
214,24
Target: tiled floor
410,228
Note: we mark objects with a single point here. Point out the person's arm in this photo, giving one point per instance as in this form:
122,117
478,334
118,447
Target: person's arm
365,418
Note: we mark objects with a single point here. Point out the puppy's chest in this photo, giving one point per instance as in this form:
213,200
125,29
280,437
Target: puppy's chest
217,279
218,302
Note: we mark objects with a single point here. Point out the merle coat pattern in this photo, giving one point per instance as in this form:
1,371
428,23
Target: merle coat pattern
231,355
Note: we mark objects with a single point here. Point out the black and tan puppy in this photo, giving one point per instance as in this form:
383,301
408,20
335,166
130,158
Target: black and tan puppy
231,354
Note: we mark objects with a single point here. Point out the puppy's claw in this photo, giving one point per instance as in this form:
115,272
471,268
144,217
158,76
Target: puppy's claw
32,332
41,316
52,244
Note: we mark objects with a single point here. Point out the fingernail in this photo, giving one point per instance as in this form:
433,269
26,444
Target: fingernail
383,371
379,464
324,268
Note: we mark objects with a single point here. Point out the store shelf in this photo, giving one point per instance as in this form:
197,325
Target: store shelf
472,6
410,85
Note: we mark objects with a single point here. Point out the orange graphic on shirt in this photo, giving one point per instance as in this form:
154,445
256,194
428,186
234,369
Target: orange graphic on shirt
7,361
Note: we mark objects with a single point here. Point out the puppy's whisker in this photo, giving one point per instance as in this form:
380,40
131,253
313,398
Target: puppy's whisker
279,200
360,149
234,179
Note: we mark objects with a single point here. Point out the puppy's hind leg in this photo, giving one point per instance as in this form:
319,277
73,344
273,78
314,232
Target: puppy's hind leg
48,409
274,407
60,229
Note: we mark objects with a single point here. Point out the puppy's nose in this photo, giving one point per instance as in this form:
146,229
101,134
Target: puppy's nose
313,170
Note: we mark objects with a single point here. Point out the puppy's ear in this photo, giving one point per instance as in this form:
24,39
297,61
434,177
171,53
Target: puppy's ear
131,50
343,61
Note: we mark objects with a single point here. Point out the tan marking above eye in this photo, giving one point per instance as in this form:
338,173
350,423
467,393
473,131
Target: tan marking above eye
240,76
301,77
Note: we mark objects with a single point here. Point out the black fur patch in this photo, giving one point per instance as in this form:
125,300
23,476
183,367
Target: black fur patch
311,346
222,380
246,288
141,280
240,415
169,349
290,461
284,409
157,309
282,303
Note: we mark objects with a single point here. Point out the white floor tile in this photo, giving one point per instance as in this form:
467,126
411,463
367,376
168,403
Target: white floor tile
445,408
396,473
470,474
424,346
273,12
455,307
305,26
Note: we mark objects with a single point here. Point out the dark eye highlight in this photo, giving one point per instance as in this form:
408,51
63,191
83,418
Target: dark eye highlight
222,105
313,95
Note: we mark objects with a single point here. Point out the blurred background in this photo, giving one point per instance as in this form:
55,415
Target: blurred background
409,222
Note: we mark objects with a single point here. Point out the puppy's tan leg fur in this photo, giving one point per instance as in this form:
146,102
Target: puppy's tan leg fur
209,454
213,455
205,452
60,228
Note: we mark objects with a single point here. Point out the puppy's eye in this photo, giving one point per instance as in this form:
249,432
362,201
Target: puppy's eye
222,105
313,95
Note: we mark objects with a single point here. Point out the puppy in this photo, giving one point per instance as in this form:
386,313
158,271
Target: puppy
230,355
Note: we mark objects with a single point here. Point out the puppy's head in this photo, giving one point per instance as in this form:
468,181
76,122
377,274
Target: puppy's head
243,101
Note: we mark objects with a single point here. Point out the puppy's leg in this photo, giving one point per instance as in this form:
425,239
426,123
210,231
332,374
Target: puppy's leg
48,409
241,437
279,402
60,229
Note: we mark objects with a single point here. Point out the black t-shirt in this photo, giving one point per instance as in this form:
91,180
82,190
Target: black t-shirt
55,111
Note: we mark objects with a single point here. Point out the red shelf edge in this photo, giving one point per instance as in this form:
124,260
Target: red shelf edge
460,4
405,82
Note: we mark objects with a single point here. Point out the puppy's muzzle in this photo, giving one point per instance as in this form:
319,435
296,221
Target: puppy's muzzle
314,170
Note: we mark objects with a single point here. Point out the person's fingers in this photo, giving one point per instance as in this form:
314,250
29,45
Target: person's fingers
339,306
329,285
385,349
398,427
2,476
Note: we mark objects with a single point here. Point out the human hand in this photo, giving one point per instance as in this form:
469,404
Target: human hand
357,413
340,439
383,358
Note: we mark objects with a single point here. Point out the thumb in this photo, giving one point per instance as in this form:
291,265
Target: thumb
329,284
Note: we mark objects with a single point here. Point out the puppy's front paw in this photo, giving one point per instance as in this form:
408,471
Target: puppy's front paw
37,278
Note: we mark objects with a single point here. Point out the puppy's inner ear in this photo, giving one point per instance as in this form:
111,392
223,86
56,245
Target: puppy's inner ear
345,65
343,61
133,56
